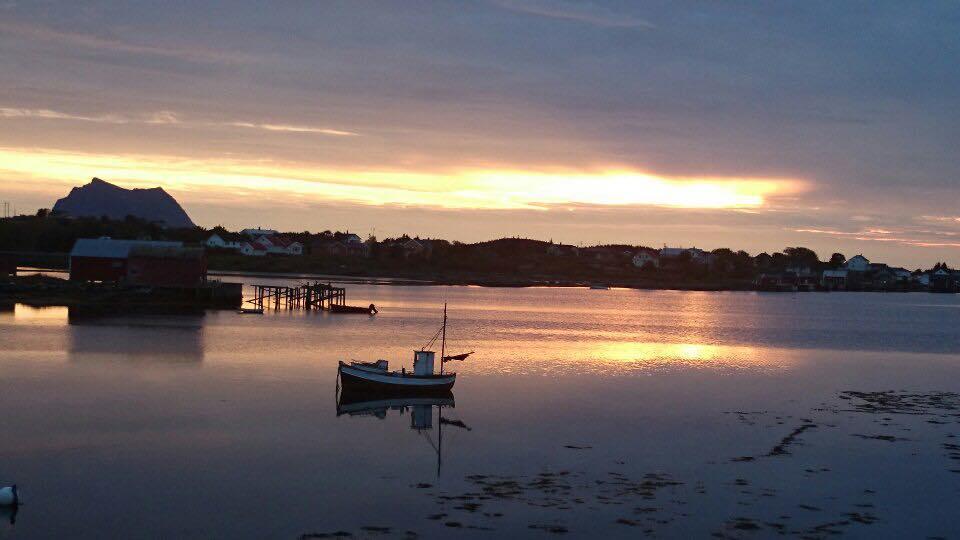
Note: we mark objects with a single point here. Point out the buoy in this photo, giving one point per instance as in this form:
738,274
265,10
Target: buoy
9,496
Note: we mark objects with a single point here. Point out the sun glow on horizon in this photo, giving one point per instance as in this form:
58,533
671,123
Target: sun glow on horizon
457,189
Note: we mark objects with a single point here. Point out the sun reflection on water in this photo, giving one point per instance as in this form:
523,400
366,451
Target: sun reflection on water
628,357
40,315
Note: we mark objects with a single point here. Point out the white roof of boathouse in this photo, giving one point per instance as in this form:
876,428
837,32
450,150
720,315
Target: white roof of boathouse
108,248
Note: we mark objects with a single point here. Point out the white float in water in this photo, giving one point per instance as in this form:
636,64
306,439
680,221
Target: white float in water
9,496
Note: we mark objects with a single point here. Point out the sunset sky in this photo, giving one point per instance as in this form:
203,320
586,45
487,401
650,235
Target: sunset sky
716,124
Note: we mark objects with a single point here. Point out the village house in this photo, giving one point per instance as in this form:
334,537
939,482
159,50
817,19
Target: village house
857,263
358,249
353,244
697,256
785,281
258,232
804,276
254,248
834,280
902,274
859,273
225,240
643,258
882,276
281,245
944,280
340,245
348,238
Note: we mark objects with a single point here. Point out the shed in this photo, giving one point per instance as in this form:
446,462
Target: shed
160,266
105,259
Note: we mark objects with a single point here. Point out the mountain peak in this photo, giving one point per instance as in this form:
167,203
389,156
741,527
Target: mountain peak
101,198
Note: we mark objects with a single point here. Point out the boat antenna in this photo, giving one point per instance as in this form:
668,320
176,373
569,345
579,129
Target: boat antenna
443,339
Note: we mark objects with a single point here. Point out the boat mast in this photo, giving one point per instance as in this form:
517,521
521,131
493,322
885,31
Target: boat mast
443,339
439,435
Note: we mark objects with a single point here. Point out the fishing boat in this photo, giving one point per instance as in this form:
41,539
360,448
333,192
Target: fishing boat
377,377
599,286
250,311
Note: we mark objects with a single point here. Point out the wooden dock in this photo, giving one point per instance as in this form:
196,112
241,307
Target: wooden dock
309,296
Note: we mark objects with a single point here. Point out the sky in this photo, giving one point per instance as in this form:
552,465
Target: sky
755,126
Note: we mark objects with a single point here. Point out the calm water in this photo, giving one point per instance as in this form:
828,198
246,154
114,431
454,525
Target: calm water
600,413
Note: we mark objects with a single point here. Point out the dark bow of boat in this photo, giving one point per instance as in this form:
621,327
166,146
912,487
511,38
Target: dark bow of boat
359,310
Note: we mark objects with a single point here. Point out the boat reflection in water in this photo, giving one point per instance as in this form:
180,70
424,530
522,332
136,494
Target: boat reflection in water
353,402
8,515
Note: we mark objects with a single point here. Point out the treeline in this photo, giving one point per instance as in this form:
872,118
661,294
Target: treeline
500,260
44,233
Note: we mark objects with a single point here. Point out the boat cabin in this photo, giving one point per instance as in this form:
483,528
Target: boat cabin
423,362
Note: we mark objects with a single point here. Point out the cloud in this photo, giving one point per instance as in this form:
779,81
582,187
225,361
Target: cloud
164,118
48,114
583,12
27,31
461,189
904,237
293,129
941,219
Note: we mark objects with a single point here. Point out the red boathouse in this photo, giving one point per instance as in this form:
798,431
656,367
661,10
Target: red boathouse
137,262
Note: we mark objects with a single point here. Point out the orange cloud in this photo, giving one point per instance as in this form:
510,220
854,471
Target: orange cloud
468,188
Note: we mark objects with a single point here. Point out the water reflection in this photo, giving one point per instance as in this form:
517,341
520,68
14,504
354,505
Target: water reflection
130,314
132,338
358,404
8,518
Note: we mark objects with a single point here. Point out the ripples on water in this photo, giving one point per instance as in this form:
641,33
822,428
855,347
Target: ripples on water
636,403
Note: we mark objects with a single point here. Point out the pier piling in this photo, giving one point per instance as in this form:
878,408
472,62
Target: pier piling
309,296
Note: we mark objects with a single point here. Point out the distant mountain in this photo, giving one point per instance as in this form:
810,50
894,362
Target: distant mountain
99,198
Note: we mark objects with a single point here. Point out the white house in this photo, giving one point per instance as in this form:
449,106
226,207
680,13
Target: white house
225,241
258,232
281,245
858,263
253,249
834,279
643,257
696,255
902,274
351,238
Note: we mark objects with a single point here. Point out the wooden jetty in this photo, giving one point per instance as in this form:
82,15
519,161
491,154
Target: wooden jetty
307,296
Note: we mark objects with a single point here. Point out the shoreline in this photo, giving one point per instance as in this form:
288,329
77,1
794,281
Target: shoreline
509,283
725,286
45,291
